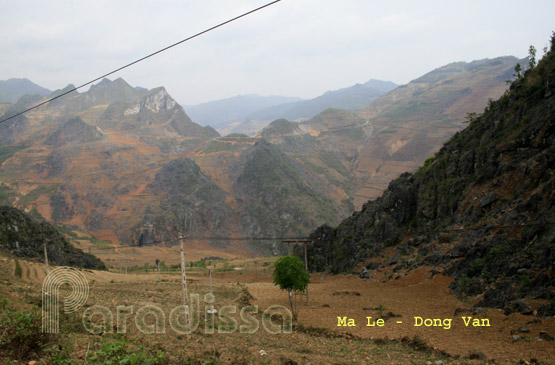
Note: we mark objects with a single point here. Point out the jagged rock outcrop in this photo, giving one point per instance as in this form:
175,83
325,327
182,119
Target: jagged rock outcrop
74,131
482,210
22,236
157,107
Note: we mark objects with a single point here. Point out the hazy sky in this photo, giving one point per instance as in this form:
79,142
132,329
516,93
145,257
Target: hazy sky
293,48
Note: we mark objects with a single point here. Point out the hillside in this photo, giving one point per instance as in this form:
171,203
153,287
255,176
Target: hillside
22,236
481,210
411,123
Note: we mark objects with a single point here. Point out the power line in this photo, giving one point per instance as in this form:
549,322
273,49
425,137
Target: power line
140,59
195,238
214,238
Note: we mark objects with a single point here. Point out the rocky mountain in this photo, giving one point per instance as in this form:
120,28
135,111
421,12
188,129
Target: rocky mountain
74,131
12,90
128,165
279,196
23,236
482,210
155,109
189,201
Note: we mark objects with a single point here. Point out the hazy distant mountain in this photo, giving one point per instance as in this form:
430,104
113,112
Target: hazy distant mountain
219,113
248,114
350,98
13,89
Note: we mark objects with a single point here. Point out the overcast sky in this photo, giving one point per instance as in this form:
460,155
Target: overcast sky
293,48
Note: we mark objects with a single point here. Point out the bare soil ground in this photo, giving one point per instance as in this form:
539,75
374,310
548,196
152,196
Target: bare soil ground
316,338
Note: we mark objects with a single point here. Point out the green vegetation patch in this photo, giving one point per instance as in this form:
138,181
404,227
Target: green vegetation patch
331,160
33,195
6,195
235,135
217,146
8,151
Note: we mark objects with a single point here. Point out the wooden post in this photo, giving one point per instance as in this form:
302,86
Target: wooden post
184,282
46,259
158,268
211,292
306,268
288,248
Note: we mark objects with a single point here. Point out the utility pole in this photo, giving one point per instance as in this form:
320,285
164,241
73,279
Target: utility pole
184,282
46,258
211,310
306,268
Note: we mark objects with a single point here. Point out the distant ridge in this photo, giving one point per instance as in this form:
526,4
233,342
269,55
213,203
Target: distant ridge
219,113
13,89
350,98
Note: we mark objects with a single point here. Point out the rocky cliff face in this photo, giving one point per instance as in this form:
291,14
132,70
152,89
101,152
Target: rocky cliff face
74,131
23,236
279,198
189,203
156,108
482,210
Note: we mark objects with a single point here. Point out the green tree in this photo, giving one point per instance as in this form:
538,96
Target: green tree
518,70
290,275
532,57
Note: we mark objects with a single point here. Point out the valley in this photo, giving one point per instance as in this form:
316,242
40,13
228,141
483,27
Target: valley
316,338
451,263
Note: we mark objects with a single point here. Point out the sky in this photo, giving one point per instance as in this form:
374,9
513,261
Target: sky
296,48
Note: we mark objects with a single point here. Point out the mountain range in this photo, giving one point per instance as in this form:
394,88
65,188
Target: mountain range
128,165
249,114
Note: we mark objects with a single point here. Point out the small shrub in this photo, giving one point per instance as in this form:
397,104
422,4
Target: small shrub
476,355
21,332
119,353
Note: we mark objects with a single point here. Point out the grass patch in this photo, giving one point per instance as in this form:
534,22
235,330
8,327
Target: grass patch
6,195
330,160
120,353
21,332
17,270
33,195
216,146
8,151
